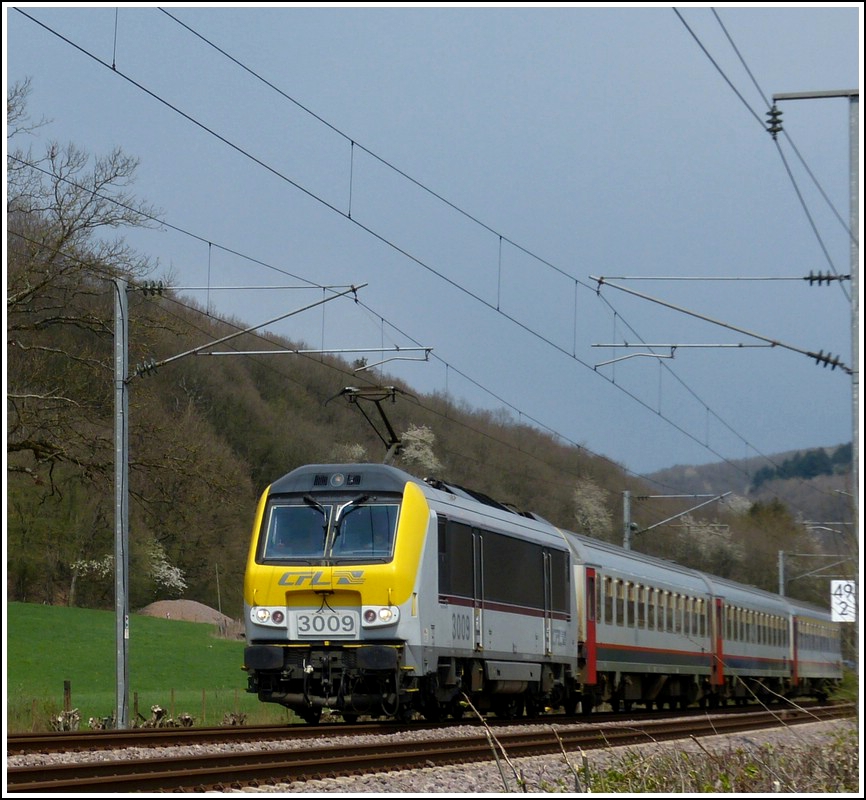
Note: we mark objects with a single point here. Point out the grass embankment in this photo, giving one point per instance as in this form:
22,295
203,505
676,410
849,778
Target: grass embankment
183,667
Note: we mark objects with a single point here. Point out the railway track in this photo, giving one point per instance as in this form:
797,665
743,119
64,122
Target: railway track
222,770
92,740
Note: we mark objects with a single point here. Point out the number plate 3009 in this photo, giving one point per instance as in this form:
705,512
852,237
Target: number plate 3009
326,624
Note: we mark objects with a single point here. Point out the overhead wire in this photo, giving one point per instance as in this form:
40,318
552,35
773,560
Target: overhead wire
385,240
267,364
787,167
495,307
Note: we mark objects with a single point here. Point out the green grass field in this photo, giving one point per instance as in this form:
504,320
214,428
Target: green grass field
184,667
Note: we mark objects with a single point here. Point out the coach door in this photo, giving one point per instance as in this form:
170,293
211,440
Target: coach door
717,670
795,650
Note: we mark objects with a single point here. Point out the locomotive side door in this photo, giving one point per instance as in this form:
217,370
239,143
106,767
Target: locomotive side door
548,603
477,590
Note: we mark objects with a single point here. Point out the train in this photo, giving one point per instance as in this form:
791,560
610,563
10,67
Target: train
371,592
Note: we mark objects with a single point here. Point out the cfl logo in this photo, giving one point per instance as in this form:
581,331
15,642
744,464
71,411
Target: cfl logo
318,577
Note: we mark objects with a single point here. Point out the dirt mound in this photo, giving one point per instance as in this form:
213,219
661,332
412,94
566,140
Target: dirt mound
189,611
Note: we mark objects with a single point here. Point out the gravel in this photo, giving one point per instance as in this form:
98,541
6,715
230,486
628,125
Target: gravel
541,773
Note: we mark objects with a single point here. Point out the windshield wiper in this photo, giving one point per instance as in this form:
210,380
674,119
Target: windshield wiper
347,509
313,503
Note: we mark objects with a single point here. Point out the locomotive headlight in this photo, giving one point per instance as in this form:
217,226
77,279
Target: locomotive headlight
377,616
262,615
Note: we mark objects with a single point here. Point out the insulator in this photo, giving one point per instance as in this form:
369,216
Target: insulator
774,121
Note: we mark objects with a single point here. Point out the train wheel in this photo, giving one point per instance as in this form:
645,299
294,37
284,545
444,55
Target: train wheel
404,714
509,708
311,716
349,719
433,711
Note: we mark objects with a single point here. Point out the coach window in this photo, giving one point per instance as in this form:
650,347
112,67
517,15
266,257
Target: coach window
701,617
608,600
599,598
688,624
591,599
629,604
641,606
620,603
651,608
669,612
657,613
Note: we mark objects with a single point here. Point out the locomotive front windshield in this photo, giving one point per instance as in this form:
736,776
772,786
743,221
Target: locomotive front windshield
312,532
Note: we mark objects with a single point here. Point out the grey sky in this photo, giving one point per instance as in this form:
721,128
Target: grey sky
503,155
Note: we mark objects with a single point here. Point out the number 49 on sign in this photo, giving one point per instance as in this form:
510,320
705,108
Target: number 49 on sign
843,601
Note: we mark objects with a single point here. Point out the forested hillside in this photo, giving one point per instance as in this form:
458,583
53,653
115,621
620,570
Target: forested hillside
814,484
207,435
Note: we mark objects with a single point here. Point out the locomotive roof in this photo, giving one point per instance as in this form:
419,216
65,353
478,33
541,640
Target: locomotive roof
359,477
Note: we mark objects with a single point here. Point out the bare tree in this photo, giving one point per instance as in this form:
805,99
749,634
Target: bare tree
58,302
